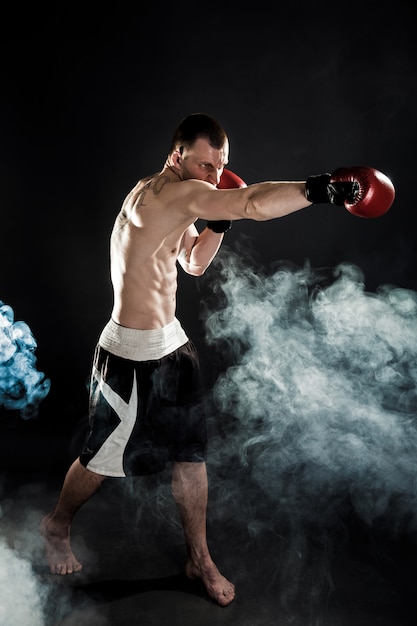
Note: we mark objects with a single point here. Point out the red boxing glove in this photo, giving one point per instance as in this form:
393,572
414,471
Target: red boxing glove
230,180
374,195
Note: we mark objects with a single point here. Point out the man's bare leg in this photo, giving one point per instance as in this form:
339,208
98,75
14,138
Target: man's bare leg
79,485
190,489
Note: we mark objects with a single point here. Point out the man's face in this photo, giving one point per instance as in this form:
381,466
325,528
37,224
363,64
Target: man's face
203,162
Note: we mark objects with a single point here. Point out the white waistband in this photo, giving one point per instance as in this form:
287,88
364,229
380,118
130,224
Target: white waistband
142,345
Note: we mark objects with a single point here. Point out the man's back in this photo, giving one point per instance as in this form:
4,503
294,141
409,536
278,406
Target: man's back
146,240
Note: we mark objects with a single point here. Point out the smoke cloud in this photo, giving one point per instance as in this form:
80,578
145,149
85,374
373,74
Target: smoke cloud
22,386
16,573
319,385
29,594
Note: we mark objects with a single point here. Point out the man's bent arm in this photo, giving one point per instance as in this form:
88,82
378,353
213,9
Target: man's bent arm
198,250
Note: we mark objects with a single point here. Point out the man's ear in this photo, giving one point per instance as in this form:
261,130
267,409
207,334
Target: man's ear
176,158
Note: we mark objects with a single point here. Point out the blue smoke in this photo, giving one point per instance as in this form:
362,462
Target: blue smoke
22,386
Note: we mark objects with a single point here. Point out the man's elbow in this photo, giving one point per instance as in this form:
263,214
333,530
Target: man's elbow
195,270
253,211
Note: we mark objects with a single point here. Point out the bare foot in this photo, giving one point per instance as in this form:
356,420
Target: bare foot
218,587
60,557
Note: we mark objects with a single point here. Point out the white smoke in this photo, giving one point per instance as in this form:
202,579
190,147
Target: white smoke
29,594
21,596
320,386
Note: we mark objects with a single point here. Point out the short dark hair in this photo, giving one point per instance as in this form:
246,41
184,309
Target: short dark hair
195,126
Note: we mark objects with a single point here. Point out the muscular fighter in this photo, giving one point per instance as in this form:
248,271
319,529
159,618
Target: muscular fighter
145,395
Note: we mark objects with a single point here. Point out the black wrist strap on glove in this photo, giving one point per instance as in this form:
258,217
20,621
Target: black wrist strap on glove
219,226
320,190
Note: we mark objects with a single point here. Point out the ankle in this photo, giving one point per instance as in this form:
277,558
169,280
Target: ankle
201,558
56,524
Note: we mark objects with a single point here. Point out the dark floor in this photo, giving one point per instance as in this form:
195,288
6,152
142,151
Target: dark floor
133,556
288,571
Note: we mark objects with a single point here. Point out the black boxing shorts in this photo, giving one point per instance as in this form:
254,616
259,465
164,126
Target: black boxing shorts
144,413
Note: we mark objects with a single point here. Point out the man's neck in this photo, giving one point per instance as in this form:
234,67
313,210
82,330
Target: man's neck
171,170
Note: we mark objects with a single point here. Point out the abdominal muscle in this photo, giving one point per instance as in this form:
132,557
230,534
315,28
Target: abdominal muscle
144,283
143,307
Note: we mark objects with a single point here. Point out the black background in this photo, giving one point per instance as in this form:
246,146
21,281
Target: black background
85,114
89,107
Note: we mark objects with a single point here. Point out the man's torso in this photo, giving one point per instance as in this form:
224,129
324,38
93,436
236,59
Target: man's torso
145,244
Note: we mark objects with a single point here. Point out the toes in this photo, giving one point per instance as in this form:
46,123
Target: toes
62,569
228,595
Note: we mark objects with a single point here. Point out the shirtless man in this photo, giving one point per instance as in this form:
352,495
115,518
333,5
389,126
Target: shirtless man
140,419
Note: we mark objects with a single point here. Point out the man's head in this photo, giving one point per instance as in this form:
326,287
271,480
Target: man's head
199,148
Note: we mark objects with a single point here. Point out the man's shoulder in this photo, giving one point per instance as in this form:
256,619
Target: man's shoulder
168,185
165,193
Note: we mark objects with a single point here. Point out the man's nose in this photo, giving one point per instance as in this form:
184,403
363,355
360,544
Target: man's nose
215,176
